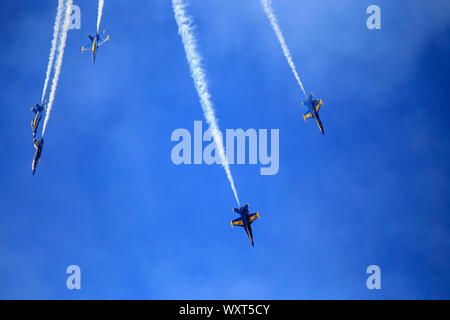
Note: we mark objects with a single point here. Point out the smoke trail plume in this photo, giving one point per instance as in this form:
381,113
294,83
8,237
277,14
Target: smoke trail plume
275,26
59,59
198,75
100,11
59,12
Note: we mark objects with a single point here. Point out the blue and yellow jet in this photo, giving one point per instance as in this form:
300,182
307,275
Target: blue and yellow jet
38,110
245,220
313,110
96,43
38,145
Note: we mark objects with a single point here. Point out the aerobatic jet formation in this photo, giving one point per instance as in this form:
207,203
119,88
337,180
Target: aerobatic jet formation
38,111
38,145
313,110
245,220
96,43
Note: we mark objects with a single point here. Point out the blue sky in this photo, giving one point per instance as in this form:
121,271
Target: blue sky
106,196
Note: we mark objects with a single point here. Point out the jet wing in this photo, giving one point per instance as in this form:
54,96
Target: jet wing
307,115
318,105
237,222
103,41
86,49
253,217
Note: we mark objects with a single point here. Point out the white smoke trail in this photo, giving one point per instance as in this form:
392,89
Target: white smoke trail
275,26
100,11
198,75
59,59
51,57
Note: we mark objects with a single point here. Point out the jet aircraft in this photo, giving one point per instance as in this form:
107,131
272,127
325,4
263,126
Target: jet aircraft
313,110
38,110
245,220
96,43
38,145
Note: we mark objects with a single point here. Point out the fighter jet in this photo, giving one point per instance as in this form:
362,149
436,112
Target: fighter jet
38,110
96,43
313,110
245,220
38,145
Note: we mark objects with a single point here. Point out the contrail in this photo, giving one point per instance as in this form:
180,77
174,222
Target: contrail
184,23
274,22
51,57
100,11
58,64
